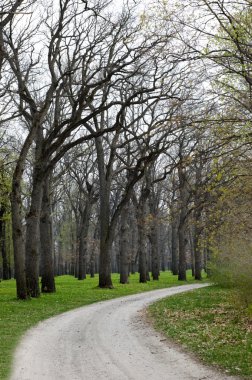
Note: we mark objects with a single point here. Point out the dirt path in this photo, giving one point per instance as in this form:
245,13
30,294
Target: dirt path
106,340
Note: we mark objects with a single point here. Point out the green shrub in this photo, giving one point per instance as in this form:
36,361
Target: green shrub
231,267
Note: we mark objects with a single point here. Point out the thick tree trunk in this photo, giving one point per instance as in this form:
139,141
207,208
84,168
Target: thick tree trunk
33,236
46,242
82,270
192,249
197,221
182,248
193,262
32,244
155,251
83,237
174,245
164,245
134,241
5,263
198,261
105,280
60,266
208,256
197,250
18,238
124,247
142,254
142,237
154,234
182,240
94,252
92,264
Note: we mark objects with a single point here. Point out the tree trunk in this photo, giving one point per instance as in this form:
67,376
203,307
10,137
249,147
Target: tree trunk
182,240
174,245
197,250
124,247
105,280
154,234
197,219
142,237
142,253
46,243
33,236
18,237
5,263
32,244
155,251
182,248
92,264
164,243
82,255
193,262
134,241
83,236
192,249
198,260
94,252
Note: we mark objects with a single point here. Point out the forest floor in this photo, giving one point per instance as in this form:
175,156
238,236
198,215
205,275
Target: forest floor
107,340
213,323
16,316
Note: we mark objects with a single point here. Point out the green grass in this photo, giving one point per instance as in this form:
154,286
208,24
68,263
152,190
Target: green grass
17,316
210,323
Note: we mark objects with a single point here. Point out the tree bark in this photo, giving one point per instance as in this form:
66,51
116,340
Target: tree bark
192,248
174,229
134,241
142,236
154,234
124,247
83,236
105,280
32,245
182,240
17,218
174,246
5,263
182,248
46,242
33,236
155,251
142,253
92,264
18,234
197,250
197,220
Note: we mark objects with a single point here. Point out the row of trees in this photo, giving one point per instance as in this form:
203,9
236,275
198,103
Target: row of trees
129,124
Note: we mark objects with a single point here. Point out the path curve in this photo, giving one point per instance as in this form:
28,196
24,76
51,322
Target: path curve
106,340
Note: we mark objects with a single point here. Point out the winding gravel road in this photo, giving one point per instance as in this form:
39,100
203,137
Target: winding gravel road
106,340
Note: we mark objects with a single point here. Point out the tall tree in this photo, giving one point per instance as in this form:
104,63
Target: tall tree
46,239
8,12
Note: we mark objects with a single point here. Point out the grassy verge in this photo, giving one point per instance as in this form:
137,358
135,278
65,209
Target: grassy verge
17,316
209,323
